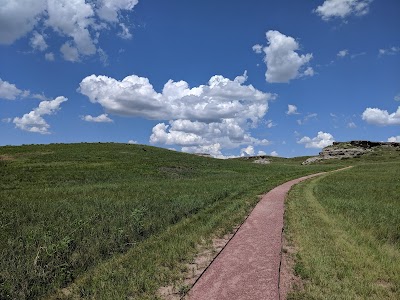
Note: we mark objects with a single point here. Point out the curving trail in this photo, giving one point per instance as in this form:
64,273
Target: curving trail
248,266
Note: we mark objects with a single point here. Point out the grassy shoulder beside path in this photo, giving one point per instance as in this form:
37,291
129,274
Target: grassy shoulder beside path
346,229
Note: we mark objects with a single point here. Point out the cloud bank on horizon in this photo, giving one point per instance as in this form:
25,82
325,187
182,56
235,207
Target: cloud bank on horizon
227,116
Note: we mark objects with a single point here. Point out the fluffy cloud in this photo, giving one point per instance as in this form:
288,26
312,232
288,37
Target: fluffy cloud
229,133
221,99
9,91
342,8
49,56
212,149
69,52
208,117
103,118
257,48
133,142
270,124
161,135
17,18
125,33
274,153
389,51
109,9
292,110
79,21
38,42
308,72
248,151
381,117
397,97
282,60
34,122
322,140
343,53
394,139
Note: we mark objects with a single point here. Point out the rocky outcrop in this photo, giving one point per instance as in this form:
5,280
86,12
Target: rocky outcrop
258,159
345,150
203,154
262,161
367,144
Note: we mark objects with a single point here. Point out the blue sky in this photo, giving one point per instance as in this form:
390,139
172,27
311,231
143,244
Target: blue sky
228,78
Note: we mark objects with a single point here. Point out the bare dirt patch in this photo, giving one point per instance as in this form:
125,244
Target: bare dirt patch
6,157
205,255
384,284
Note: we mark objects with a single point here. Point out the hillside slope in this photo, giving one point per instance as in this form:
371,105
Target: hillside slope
72,214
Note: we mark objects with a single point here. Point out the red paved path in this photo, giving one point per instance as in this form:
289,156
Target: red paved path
248,266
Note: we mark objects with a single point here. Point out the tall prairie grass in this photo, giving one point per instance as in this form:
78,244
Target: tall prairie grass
116,220
346,227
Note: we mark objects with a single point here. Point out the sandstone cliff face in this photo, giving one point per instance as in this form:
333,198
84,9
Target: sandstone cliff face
344,150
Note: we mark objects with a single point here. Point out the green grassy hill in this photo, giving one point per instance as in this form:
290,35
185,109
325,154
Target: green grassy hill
118,221
346,229
113,221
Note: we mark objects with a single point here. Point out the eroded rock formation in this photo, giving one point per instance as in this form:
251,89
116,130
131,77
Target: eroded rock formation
344,150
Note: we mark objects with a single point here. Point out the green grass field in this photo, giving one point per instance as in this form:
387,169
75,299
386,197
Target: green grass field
346,229
117,221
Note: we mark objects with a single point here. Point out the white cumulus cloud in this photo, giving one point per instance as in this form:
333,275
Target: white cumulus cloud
257,48
34,121
49,56
381,117
308,72
212,149
282,61
342,8
397,97
109,10
229,133
38,42
103,118
69,52
78,22
261,153
394,139
218,113
389,51
343,53
292,110
270,124
221,98
17,18
125,33
10,91
248,151
274,153
322,140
